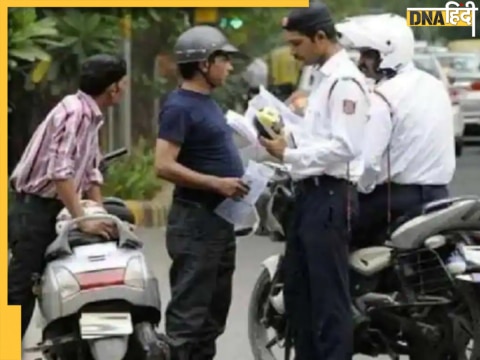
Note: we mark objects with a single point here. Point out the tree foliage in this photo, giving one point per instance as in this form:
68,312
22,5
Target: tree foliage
29,37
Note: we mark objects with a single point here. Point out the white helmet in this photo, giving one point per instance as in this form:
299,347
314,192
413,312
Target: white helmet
89,207
386,33
256,74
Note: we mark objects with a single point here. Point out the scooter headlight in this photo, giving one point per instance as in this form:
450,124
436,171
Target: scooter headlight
67,284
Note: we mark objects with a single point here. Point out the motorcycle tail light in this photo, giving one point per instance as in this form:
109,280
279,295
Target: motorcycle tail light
95,279
475,85
67,284
134,276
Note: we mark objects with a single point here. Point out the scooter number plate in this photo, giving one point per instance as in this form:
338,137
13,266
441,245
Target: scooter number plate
99,325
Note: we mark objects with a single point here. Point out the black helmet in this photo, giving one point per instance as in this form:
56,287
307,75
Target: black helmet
100,71
199,42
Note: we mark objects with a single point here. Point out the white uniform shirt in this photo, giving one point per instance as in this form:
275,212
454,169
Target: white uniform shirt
333,126
420,132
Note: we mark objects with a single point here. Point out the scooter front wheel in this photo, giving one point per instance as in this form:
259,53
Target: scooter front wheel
261,321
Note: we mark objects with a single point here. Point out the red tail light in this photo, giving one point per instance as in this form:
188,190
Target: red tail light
96,279
475,85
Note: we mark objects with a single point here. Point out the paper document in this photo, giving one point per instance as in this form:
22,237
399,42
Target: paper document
255,153
293,122
265,98
244,132
237,212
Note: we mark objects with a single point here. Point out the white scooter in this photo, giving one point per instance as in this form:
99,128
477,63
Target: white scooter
98,299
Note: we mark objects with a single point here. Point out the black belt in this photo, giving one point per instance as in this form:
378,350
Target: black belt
321,180
416,186
26,198
203,204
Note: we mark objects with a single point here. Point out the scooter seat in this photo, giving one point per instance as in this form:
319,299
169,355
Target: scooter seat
77,238
426,209
120,210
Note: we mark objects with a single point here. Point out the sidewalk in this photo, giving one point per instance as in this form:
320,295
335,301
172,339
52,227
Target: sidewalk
152,213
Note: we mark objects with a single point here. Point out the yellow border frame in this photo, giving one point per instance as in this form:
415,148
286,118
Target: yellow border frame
10,343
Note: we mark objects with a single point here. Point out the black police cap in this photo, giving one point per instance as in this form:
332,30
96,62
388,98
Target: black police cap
308,20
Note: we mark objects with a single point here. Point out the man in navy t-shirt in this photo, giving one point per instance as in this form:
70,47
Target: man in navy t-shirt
195,150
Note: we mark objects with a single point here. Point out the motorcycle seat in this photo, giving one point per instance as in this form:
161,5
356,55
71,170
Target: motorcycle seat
77,238
119,209
425,209
114,206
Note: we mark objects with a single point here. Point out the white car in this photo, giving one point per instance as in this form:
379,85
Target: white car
465,74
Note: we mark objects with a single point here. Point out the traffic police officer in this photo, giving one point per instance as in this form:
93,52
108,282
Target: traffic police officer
325,162
409,151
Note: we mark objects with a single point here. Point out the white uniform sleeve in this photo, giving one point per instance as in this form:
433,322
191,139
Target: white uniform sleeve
348,106
377,137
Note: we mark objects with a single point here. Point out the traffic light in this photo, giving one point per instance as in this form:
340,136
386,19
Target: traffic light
212,16
205,16
231,23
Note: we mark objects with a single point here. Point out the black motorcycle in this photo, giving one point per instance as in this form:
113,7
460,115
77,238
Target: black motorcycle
417,294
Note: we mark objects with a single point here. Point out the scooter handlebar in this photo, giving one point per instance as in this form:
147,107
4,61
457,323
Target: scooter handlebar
115,154
109,157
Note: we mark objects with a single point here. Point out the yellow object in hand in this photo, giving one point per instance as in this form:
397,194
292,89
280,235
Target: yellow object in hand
268,122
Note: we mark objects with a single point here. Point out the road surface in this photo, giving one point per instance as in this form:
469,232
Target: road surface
233,345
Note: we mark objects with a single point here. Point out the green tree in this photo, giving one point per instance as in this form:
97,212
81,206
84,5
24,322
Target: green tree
30,40
84,33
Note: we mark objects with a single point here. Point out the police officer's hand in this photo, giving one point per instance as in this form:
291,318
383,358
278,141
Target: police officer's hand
297,102
298,94
275,147
231,187
103,228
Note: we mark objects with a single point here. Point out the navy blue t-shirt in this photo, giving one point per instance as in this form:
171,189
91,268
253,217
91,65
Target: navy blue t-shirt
196,122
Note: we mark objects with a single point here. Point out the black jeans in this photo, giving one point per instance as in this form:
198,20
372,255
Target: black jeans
203,249
31,229
372,224
316,269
